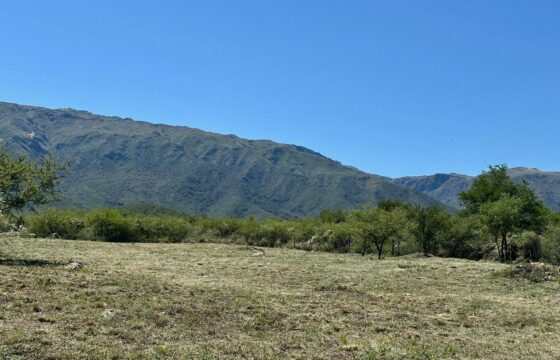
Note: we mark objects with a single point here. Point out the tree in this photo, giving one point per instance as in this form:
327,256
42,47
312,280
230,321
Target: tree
25,183
464,238
488,187
432,223
535,216
398,227
551,244
505,207
377,226
503,217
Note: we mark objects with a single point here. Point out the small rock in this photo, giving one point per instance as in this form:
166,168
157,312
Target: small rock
109,313
73,266
258,252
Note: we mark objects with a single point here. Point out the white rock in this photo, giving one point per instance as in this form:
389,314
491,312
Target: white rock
73,266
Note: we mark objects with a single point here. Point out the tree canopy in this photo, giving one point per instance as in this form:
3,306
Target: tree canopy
504,207
26,183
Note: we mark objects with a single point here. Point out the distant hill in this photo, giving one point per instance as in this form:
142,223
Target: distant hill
443,187
117,162
446,187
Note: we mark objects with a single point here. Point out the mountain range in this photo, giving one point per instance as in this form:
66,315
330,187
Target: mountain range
116,161
446,187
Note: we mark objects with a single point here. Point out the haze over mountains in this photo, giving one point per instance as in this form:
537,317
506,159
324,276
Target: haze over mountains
117,161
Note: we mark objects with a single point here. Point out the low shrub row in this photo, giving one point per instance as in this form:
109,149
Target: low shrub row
396,231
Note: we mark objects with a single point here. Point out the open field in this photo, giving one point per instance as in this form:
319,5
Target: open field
209,301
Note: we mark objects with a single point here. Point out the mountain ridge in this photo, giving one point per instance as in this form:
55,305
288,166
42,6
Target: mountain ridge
446,187
119,161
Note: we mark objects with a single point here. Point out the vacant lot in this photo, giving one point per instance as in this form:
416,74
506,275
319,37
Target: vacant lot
208,301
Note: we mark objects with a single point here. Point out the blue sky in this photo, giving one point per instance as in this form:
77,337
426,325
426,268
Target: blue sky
392,87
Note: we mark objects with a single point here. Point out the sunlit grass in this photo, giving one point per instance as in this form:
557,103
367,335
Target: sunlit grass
219,301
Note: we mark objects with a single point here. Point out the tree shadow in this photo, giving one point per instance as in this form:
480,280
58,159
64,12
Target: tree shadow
29,262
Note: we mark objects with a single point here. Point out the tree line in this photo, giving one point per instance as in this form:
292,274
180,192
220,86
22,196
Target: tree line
500,220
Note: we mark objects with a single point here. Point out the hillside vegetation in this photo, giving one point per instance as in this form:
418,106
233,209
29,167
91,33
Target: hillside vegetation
116,162
210,301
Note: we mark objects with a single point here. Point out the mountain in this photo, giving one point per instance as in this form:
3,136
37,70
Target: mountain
442,187
117,161
446,187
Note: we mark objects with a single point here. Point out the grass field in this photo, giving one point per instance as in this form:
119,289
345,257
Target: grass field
209,301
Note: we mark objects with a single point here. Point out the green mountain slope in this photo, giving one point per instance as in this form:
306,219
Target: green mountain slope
446,187
118,161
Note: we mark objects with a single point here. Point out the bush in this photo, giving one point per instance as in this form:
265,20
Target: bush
110,225
333,230
161,229
332,216
303,230
340,240
464,239
551,245
57,223
528,245
5,225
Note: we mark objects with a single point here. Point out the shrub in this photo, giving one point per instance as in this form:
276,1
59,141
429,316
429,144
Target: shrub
463,239
163,228
332,216
340,239
249,230
528,245
551,244
228,227
57,223
110,225
5,225
303,230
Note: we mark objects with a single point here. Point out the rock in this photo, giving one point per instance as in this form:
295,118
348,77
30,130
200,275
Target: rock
314,239
73,266
108,313
258,252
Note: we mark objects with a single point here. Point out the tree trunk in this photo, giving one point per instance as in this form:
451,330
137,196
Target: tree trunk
499,248
505,247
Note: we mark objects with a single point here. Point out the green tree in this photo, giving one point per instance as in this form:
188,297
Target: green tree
432,225
551,244
377,226
25,183
465,238
503,217
505,208
488,187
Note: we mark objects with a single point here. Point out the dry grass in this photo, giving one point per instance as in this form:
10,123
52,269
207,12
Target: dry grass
208,301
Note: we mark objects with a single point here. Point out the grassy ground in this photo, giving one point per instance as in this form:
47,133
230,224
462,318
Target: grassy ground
208,301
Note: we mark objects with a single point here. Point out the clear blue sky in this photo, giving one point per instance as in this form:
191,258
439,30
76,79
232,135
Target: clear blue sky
392,87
